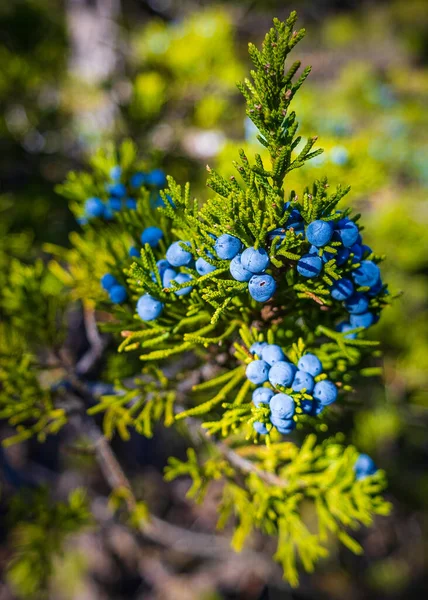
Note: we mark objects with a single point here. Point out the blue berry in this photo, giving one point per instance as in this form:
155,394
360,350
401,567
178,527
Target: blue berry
133,251
183,278
262,395
227,246
342,256
177,256
339,155
116,189
156,177
137,180
257,348
376,288
284,426
255,260
203,267
149,308
278,232
307,406
364,466
115,204
257,371
366,250
117,294
347,232
152,236
237,270
262,287
309,265
162,266
272,353
282,373
94,208
295,220
260,427
367,274
363,320
303,380
108,281
357,304
115,172
311,364
342,289
357,251
343,327
325,392
282,406
168,275
131,203
319,232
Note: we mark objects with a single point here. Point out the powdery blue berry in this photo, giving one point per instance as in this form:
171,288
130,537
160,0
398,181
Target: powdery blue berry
162,266
260,427
357,304
257,348
94,208
363,320
227,246
108,281
262,287
169,274
311,364
346,232
116,189
156,177
115,172
255,260
375,289
257,371
134,252
309,265
303,380
152,236
282,373
262,395
357,251
284,426
183,278
177,256
311,407
325,392
272,353
115,204
364,466
343,327
237,271
342,289
319,232
203,267
137,179
282,406
367,274
117,294
149,308
131,203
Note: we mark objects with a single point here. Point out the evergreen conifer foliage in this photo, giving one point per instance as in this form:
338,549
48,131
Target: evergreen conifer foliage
248,312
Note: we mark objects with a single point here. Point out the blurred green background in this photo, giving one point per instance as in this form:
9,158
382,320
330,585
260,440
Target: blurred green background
74,73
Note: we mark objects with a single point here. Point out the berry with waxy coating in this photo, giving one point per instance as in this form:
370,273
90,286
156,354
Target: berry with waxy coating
108,281
262,395
309,265
117,294
260,427
367,274
183,278
178,256
203,267
162,266
364,466
325,392
262,287
343,327
237,271
152,236
257,371
375,289
303,381
319,232
156,177
149,308
167,276
227,246
282,406
284,426
94,208
311,364
255,260
115,204
116,189
272,353
357,304
257,348
362,320
342,289
137,179
346,232
134,252
282,373
131,203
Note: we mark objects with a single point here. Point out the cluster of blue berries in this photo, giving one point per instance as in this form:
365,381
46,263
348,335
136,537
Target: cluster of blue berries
272,365
364,466
249,265
117,293
150,308
118,196
152,236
